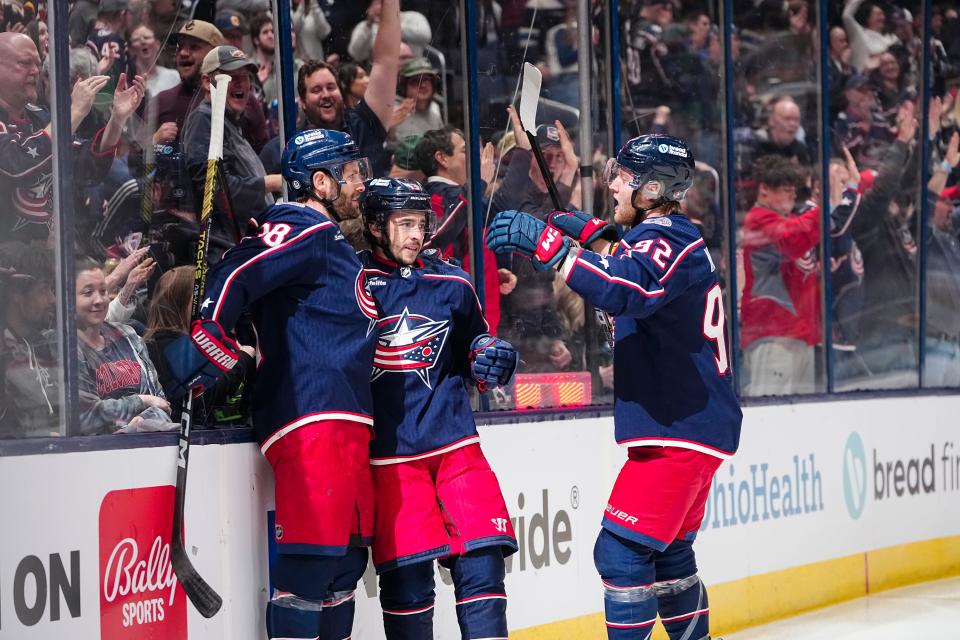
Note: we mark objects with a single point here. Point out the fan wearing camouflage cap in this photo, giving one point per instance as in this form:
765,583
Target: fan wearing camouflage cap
245,181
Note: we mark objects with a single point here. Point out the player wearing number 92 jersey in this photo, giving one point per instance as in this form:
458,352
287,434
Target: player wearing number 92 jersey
675,406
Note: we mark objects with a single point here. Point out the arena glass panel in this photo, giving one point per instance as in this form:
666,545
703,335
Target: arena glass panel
775,137
31,375
875,119
942,249
141,95
565,360
671,68
141,85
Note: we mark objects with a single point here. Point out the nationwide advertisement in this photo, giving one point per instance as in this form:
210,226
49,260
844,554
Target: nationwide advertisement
85,550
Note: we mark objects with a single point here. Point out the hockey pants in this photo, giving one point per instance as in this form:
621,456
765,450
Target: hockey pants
407,597
639,583
314,596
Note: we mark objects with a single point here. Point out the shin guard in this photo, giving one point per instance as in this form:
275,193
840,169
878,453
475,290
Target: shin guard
406,597
290,617
481,596
627,571
683,608
340,602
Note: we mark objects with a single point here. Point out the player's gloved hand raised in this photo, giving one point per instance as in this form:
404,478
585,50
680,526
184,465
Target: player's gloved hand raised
583,227
492,361
198,359
520,232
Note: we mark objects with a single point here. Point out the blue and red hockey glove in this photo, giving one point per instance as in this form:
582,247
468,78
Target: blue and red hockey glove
520,232
492,361
583,227
198,359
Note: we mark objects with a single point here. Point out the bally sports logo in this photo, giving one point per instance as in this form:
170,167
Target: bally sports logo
140,598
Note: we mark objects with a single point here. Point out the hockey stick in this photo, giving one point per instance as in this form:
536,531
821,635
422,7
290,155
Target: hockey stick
204,598
529,99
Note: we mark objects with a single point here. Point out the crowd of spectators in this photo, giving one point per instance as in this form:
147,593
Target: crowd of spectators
671,58
140,81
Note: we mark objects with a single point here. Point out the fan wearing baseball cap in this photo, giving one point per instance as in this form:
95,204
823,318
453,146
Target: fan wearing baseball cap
194,41
233,26
244,181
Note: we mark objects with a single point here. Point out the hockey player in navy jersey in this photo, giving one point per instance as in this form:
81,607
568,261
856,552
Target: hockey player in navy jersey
436,496
675,408
313,409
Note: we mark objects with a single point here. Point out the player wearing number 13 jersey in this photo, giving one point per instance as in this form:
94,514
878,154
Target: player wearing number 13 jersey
675,408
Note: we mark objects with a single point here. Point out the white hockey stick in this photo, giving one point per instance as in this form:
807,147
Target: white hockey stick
529,99
204,598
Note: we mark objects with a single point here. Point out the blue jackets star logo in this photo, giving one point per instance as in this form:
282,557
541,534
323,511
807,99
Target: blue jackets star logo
409,343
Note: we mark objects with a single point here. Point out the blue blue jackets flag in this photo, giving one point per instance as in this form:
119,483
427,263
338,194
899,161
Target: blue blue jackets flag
314,316
429,315
672,382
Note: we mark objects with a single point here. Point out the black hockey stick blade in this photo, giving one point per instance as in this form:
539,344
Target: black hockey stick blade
201,594
204,598
529,99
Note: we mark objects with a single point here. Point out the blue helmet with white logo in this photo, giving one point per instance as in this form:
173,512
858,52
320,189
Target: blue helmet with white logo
321,150
384,196
655,158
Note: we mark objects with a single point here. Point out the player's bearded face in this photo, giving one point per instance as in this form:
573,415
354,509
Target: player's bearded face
405,233
347,204
624,212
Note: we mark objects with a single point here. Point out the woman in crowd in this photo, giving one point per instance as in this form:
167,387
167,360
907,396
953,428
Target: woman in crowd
167,319
145,48
353,81
119,389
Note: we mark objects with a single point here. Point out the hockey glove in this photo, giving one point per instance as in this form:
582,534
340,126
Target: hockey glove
492,361
520,232
582,227
198,359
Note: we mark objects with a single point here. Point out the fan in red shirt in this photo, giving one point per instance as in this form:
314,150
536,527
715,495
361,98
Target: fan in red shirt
780,321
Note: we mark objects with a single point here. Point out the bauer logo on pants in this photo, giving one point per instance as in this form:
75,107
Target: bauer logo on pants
140,598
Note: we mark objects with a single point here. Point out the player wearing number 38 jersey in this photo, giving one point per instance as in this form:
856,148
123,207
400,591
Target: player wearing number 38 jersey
313,407
675,408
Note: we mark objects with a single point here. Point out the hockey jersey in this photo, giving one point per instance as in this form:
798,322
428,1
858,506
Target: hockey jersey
672,383
429,315
314,317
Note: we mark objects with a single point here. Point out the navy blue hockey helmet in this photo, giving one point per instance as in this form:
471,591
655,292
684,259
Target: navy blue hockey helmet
384,196
655,158
321,149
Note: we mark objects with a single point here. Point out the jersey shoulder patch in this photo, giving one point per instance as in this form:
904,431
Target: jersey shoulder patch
660,220
435,257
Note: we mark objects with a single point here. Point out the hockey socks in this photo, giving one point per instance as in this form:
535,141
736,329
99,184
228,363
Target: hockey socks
406,597
315,598
481,597
627,571
683,608
290,617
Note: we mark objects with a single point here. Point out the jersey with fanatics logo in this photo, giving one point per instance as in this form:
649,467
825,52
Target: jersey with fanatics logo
672,380
315,319
429,315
